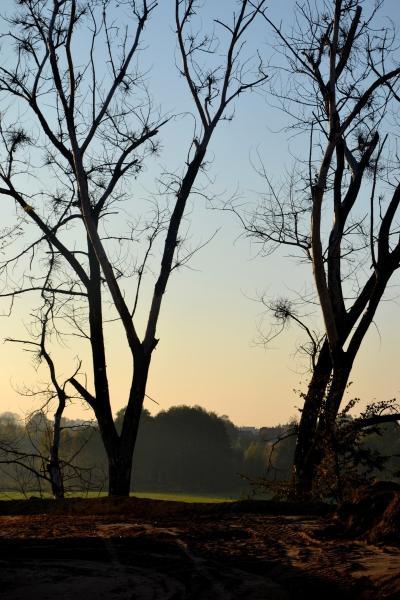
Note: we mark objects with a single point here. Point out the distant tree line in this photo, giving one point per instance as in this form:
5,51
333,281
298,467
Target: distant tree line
183,449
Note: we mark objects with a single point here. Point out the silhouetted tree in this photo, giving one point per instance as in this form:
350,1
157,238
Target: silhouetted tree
55,391
341,210
95,126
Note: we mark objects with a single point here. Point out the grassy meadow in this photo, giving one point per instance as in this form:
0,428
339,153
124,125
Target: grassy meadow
175,497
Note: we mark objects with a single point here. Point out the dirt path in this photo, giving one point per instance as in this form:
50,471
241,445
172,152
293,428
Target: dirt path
194,556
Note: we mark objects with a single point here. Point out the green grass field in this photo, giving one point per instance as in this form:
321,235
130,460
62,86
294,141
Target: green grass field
177,497
181,497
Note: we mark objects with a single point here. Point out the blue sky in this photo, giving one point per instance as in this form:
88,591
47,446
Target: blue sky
208,353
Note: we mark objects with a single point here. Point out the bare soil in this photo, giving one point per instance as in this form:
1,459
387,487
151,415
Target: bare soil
142,549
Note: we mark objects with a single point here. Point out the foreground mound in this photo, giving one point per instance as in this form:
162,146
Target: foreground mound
124,548
374,513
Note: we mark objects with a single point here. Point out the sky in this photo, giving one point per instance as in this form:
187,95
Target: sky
209,353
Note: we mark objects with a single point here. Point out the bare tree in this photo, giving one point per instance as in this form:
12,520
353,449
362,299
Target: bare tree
32,460
56,390
340,211
95,125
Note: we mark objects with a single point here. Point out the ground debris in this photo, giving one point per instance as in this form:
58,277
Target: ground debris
163,550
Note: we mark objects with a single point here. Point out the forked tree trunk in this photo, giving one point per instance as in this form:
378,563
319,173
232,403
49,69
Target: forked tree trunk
120,448
337,389
120,461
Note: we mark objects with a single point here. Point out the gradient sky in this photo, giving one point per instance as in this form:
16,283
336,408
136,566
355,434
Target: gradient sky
208,354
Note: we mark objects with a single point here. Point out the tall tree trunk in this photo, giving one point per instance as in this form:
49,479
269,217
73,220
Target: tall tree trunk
56,478
323,436
337,389
119,473
120,457
120,448
54,467
304,459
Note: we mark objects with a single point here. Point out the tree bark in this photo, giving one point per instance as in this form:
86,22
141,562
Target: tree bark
54,467
304,459
57,485
119,474
120,459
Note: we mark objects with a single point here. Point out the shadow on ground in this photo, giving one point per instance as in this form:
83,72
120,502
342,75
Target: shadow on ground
152,550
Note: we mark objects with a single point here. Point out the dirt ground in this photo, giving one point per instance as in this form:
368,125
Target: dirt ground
153,550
